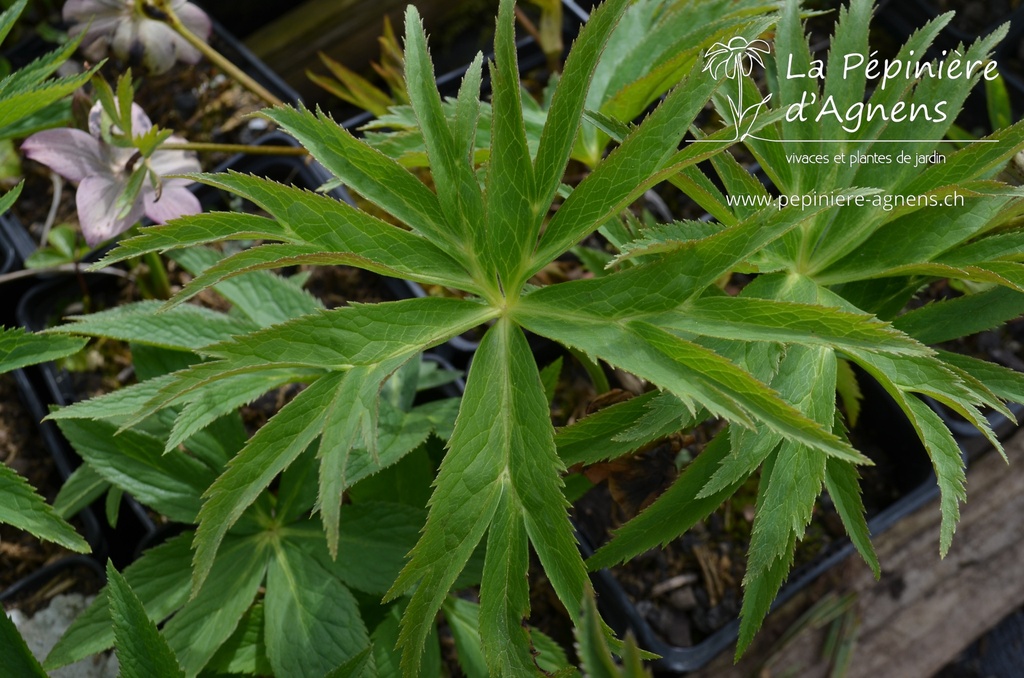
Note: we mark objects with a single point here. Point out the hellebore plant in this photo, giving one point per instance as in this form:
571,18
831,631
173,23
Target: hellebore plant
155,33
768,361
134,35
121,176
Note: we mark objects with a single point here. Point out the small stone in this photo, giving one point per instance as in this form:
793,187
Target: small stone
679,633
683,599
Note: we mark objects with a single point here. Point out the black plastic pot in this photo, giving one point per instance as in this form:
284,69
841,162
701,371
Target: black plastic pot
35,581
902,453
8,255
45,385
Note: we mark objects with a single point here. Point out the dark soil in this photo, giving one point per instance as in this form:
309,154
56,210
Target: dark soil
22,449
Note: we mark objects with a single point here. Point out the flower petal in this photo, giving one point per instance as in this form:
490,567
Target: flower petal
71,153
174,162
97,215
195,19
175,201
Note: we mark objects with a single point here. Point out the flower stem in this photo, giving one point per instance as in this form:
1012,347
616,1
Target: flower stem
167,15
201,146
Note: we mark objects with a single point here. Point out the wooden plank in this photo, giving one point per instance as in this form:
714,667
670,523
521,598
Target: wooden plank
924,611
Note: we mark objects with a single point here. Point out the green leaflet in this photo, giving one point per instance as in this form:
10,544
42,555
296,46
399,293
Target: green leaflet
81,488
567,103
357,335
949,319
245,651
211,615
19,348
171,483
198,229
458,192
596,656
370,173
502,453
841,480
678,509
614,183
312,620
691,372
160,578
620,428
23,508
18,658
183,328
141,651
787,322
351,421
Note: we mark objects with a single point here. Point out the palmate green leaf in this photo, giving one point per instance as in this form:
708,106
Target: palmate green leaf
501,454
160,578
312,620
141,651
19,348
208,619
268,452
22,508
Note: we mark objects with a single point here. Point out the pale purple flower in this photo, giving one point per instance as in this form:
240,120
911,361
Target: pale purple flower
121,26
102,171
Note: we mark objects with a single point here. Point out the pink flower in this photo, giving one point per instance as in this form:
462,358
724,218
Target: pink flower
121,26
102,172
